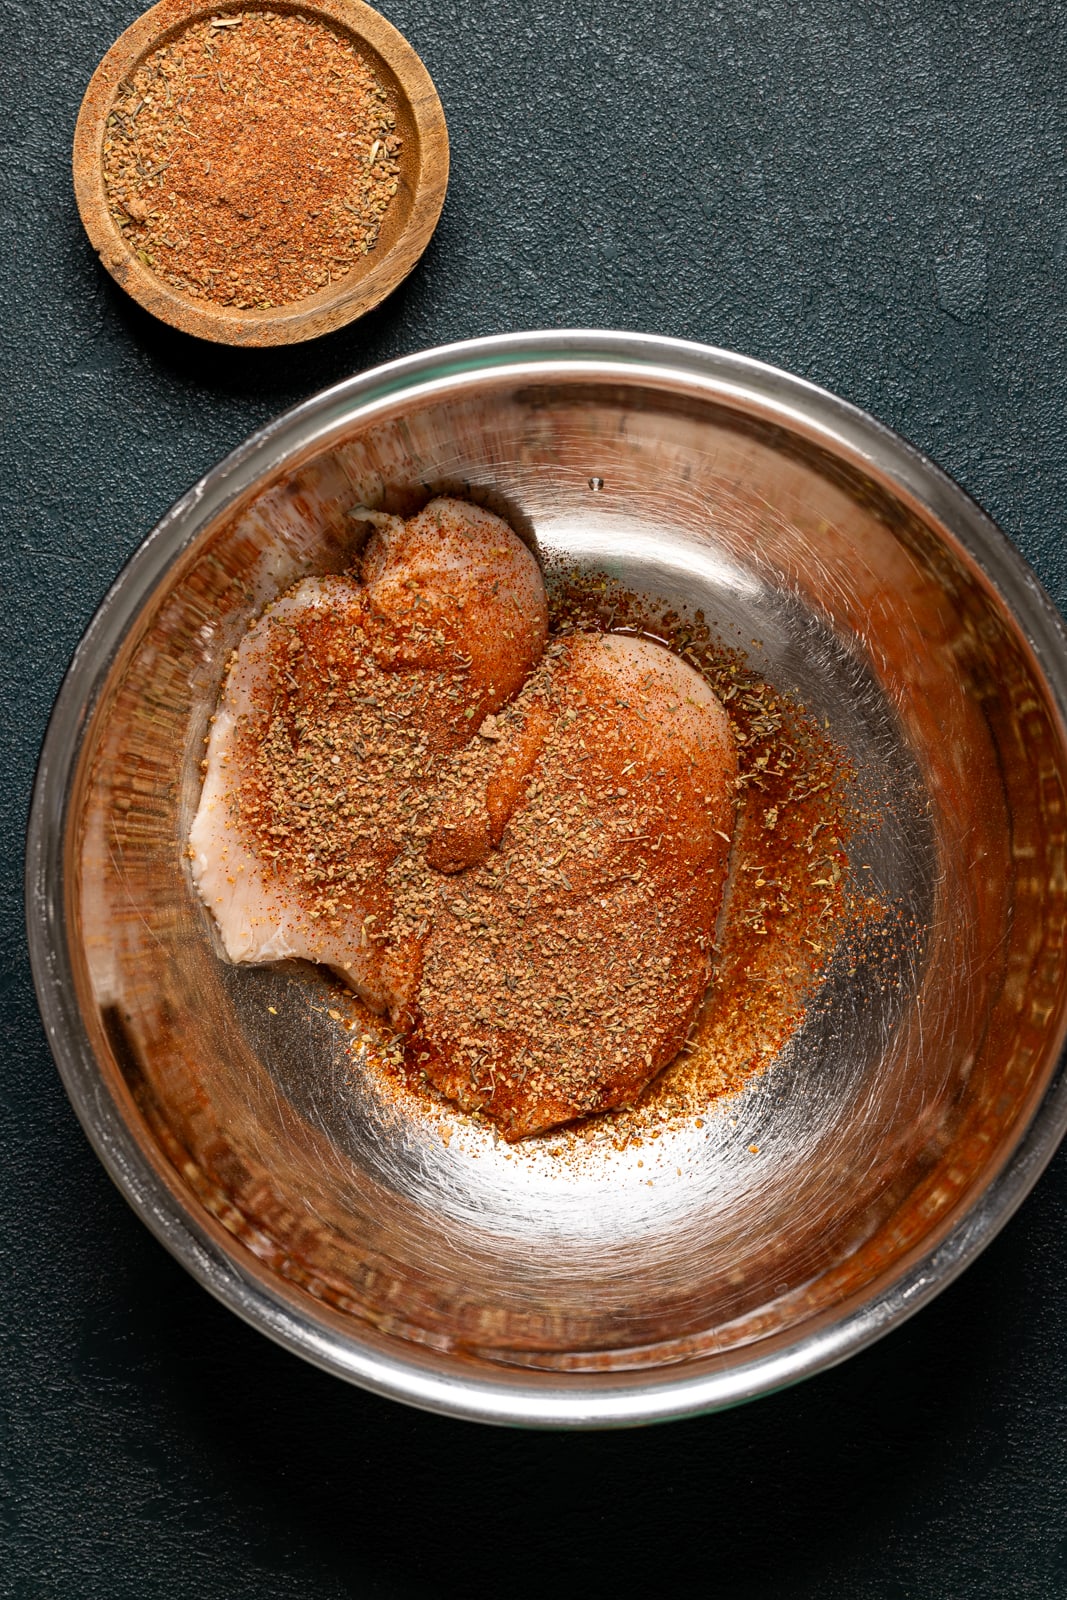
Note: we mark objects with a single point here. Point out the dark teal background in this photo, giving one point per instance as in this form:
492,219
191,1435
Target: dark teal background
870,194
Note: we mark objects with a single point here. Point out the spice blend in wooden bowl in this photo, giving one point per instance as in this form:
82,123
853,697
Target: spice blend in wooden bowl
251,159
260,175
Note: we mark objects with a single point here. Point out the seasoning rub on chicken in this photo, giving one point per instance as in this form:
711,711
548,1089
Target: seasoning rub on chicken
516,852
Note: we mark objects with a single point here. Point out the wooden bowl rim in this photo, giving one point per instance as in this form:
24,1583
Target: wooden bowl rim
332,307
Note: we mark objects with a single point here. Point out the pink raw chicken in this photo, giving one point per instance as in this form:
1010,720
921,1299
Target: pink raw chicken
518,854
448,620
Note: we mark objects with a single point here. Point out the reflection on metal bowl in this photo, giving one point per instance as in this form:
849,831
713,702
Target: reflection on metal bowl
906,1118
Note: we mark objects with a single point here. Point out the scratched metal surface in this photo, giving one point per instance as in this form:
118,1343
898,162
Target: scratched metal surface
544,1283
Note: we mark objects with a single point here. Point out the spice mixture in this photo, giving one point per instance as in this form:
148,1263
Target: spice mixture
250,161
791,907
528,882
512,876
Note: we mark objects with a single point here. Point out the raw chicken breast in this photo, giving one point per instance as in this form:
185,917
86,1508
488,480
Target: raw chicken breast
519,854
338,708
568,964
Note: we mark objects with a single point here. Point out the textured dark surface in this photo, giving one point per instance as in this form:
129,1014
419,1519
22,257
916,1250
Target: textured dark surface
871,194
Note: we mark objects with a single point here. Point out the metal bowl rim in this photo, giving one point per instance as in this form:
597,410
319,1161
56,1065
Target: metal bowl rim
514,1397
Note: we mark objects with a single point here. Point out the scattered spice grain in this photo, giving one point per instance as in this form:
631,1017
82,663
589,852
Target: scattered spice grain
249,162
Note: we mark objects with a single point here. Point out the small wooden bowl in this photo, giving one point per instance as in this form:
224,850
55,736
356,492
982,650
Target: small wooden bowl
406,226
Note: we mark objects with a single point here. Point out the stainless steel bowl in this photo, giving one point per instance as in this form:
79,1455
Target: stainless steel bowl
897,1132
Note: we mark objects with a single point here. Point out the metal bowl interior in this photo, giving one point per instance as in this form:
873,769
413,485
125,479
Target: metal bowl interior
905,1120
